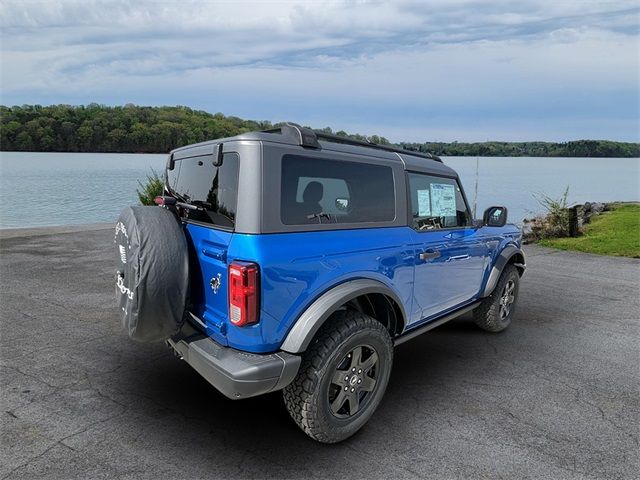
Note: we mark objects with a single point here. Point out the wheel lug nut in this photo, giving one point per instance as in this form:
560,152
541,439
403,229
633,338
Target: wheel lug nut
359,370
346,378
359,381
353,389
346,388
353,369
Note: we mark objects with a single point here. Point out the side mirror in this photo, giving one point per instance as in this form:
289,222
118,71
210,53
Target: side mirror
495,217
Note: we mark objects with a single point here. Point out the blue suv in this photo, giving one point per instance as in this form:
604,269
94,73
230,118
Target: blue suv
294,260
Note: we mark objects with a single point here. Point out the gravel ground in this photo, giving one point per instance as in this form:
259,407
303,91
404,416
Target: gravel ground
555,396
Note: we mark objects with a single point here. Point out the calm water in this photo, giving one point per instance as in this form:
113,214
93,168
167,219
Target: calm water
42,189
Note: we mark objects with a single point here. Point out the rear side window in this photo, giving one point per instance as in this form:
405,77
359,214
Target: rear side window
321,191
214,190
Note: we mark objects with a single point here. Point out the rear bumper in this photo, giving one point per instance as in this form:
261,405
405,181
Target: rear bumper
236,374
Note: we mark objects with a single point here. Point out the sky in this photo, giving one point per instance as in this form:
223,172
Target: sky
442,70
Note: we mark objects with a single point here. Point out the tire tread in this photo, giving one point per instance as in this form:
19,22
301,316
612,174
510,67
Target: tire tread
487,314
298,395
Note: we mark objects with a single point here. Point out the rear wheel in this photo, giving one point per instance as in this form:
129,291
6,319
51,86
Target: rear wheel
342,379
496,311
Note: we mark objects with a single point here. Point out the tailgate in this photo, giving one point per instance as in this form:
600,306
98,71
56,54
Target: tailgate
208,267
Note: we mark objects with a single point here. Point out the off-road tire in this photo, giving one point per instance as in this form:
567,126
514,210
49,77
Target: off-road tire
307,398
152,272
488,314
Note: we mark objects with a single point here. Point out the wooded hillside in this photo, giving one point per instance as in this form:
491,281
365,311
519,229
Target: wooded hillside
133,129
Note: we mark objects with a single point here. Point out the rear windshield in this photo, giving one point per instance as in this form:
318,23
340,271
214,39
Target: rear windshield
320,191
213,189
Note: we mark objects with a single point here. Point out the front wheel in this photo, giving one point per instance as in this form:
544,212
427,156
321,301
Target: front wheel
342,379
495,312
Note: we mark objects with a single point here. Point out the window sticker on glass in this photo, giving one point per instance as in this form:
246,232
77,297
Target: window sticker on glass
443,199
424,203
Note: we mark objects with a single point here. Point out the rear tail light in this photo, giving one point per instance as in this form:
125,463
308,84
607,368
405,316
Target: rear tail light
244,290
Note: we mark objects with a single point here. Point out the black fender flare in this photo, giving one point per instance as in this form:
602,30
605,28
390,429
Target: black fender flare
505,257
310,321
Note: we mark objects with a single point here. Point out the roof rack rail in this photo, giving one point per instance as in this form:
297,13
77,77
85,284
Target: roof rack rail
309,138
360,143
302,136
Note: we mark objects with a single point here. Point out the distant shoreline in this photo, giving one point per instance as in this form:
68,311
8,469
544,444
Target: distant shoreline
443,156
131,128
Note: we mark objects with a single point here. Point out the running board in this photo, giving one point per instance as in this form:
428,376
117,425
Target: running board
434,323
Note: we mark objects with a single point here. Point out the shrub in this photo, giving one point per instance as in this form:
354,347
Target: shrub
150,189
556,220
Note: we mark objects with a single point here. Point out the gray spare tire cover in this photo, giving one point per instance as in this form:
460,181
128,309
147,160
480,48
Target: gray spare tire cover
152,273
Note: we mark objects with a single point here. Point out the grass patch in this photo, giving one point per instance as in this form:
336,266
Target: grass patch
615,232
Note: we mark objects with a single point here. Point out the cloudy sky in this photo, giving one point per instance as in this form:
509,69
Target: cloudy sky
410,70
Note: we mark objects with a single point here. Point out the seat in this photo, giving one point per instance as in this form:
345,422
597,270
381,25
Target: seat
311,197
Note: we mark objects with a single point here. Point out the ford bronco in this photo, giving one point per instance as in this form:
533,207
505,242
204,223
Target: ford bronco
295,260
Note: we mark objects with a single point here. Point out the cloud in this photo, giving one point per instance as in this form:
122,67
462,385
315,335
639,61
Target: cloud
480,65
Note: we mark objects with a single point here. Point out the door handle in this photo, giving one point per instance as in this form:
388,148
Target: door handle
430,255
457,257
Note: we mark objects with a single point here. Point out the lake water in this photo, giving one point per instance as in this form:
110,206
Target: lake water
45,189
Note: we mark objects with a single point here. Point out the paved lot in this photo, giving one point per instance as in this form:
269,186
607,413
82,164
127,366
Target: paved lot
556,396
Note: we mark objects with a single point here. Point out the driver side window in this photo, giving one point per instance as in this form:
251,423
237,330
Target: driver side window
436,202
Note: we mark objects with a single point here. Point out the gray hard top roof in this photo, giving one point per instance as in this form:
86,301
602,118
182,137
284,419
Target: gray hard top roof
415,161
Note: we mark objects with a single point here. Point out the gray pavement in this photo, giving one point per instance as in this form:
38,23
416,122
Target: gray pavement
555,396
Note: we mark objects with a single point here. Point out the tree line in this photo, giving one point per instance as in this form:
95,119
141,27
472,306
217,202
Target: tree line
138,129
576,148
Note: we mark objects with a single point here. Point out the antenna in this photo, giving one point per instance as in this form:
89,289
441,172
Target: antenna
475,196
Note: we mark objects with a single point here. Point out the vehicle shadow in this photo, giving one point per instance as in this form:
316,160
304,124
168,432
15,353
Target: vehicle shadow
175,406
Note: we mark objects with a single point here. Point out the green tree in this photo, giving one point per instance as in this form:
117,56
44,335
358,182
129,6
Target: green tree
24,142
131,128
